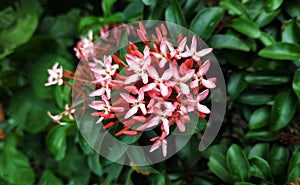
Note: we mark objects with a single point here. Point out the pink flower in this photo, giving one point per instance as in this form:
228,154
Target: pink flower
192,52
106,71
195,102
56,118
136,103
158,142
85,47
69,111
56,75
181,77
138,66
159,81
199,77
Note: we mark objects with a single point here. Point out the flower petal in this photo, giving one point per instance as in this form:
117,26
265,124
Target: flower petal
131,112
131,79
164,147
152,72
208,83
167,74
184,88
128,98
204,68
203,109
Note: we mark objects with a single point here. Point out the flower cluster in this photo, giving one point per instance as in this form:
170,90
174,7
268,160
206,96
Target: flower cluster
159,85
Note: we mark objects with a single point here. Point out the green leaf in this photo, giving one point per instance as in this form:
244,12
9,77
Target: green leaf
206,21
255,98
266,39
219,41
281,51
133,10
260,78
243,183
128,178
259,118
283,110
32,117
296,83
159,179
74,167
294,161
294,174
217,164
278,160
94,164
15,167
259,150
18,34
237,163
265,18
261,135
49,178
262,167
107,6
236,85
174,13
156,10
292,8
114,172
291,32
8,18
189,153
273,4
148,2
235,7
56,141
246,26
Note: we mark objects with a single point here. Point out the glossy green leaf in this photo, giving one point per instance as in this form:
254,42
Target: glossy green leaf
265,18
259,150
159,179
114,172
292,8
243,183
175,14
8,18
128,179
291,32
259,118
237,163
246,26
49,178
107,6
217,148
255,98
189,7
266,39
32,117
189,153
148,2
236,85
56,141
133,10
263,168
74,167
15,167
273,4
294,174
296,83
234,7
281,51
206,21
227,41
94,164
260,78
283,110
294,161
156,10
278,160
217,164
261,135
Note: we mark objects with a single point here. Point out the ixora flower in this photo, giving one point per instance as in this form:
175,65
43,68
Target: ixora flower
153,86
56,74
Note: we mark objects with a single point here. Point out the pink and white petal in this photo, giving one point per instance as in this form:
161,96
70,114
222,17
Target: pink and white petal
180,125
162,62
194,83
208,84
163,89
99,120
139,118
152,72
155,146
153,122
131,112
194,44
169,106
203,109
184,88
97,92
204,68
164,144
149,87
188,75
204,52
168,74
202,95
141,96
117,109
128,98
131,79
132,89
143,108
166,125
144,78
182,44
